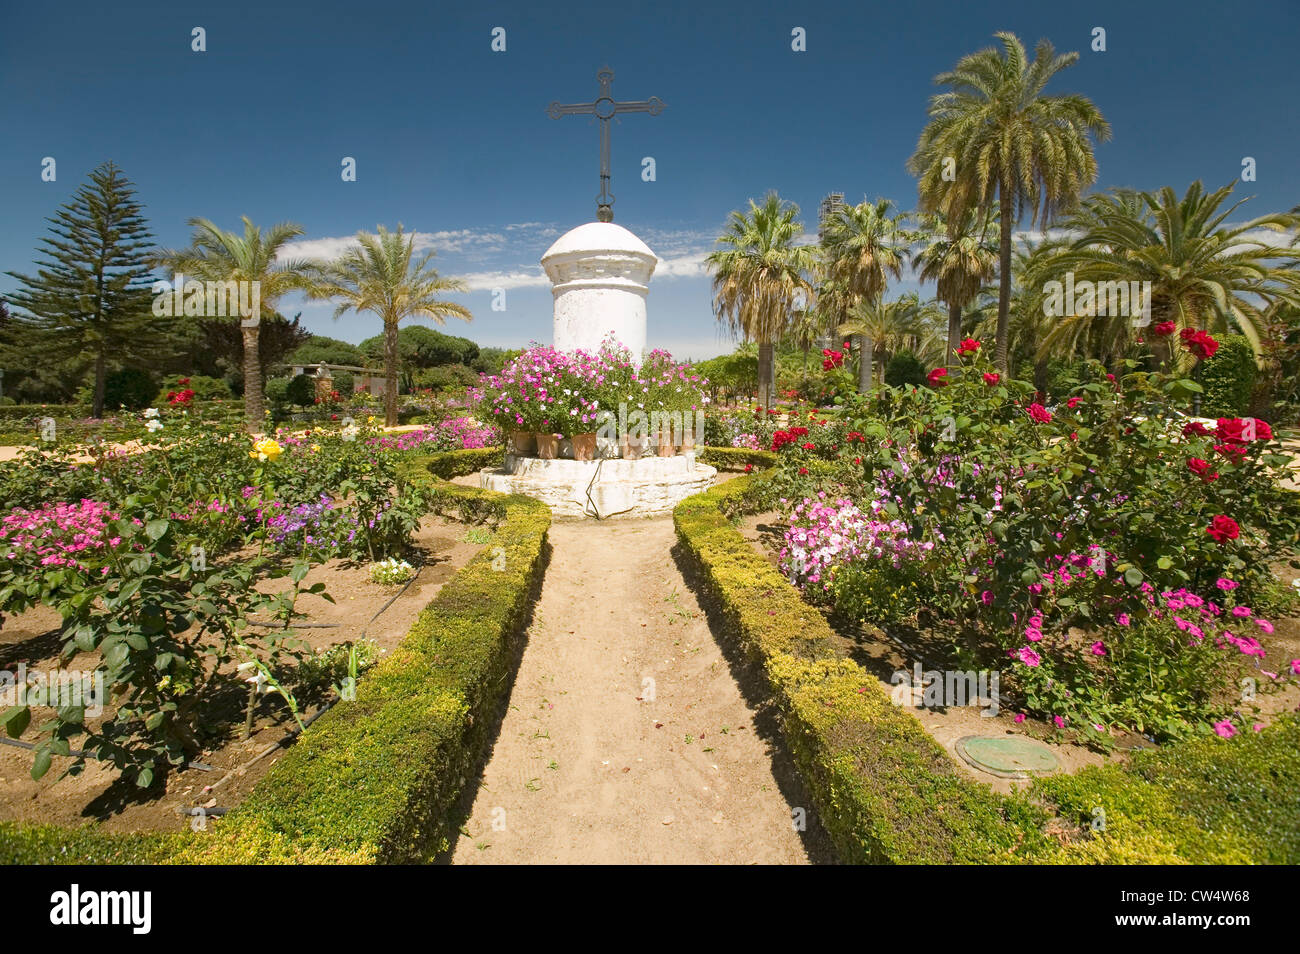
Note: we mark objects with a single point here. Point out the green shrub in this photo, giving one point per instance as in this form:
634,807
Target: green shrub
301,390
1229,378
735,458
204,388
132,388
905,370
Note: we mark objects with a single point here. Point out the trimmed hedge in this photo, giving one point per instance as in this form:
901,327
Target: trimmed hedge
1211,801
22,844
458,463
734,458
886,791
374,780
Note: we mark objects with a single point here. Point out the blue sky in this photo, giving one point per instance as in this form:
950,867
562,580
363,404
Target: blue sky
451,139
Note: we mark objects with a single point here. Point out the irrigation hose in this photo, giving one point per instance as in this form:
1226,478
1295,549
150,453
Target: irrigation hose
595,511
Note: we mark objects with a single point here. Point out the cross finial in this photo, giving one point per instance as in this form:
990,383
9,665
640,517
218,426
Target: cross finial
605,108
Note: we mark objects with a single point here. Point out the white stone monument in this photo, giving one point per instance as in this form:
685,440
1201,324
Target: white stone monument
600,274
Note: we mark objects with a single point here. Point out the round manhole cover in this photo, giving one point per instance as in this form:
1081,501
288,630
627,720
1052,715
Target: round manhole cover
1010,757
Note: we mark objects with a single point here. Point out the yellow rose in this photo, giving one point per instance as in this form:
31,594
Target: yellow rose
267,449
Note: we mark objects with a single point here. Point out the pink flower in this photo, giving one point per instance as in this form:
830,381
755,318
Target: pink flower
1032,634
1258,727
1039,413
1224,729
1098,648
987,597
1295,667
1060,721
1122,619
1265,625
1032,659
1225,584
1020,717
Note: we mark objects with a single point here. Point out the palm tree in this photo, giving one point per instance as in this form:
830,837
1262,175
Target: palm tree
905,324
1204,274
994,137
960,259
378,275
760,277
863,246
215,255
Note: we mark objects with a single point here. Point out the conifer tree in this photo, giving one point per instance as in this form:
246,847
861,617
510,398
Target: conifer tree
91,295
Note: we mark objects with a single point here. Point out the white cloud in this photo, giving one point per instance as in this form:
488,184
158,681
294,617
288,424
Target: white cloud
521,277
455,241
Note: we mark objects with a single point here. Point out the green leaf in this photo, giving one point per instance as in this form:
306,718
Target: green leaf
155,529
1133,576
41,764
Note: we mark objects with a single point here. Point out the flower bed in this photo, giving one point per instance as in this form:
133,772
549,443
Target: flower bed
1077,548
375,779
887,792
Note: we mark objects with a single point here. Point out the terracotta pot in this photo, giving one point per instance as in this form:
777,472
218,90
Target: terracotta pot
522,443
584,446
548,445
633,447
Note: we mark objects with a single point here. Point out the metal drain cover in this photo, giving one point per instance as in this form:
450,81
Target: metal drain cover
1007,756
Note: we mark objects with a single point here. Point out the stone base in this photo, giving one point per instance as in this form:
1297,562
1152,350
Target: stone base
607,488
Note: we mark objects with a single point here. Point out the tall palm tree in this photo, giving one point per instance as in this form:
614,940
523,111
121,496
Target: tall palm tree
380,274
995,137
960,258
863,246
216,255
1205,273
760,278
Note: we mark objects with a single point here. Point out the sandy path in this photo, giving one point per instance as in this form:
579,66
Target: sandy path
584,771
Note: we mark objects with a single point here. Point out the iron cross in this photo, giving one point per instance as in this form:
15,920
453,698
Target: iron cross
605,108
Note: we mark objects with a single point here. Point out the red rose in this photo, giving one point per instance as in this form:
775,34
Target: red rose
1110,377
1199,343
991,378
937,376
1230,430
1040,414
1164,329
1223,529
968,346
1234,452
1195,429
748,468
1073,402
1202,469
857,460
803,471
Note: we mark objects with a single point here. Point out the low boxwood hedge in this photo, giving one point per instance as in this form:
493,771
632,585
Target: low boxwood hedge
374,780
735,458
886,791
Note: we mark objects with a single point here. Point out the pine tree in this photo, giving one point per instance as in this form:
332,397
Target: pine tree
91,296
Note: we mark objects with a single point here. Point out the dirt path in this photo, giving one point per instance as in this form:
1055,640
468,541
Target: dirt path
595,764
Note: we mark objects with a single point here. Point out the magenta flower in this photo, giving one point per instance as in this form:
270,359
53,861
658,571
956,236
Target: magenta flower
1032,659
1224,729
1098,648
1060,721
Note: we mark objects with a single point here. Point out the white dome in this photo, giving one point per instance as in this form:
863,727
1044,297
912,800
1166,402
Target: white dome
597,237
